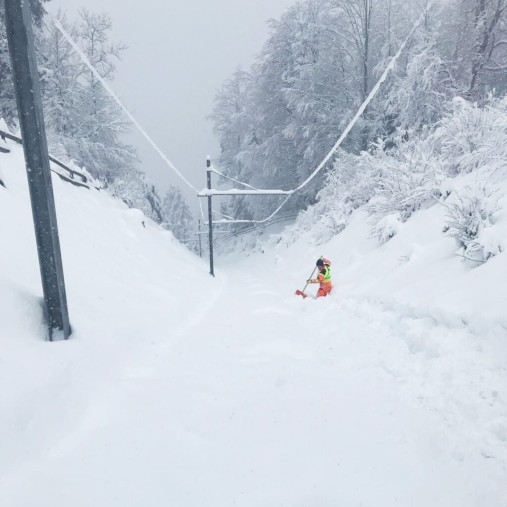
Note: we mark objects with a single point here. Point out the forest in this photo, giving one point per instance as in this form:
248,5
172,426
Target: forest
277,120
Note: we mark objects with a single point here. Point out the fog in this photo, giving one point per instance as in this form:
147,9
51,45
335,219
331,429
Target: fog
179,53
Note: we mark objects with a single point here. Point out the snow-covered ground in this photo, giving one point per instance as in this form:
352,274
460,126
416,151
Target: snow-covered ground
180,389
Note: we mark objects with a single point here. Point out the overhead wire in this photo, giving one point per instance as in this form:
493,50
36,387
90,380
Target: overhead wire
87,62
213,170
368,99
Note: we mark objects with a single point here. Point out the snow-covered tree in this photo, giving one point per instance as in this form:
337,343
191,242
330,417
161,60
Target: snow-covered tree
60,70
488,51
136,192
177,216
83,117
473,35
417,98
8,109
234,125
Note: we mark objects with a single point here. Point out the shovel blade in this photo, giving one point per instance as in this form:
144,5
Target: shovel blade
300,293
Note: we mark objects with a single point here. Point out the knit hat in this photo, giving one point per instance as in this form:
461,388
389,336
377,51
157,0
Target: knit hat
320,262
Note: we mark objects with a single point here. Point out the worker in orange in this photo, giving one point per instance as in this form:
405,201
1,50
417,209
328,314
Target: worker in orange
323,277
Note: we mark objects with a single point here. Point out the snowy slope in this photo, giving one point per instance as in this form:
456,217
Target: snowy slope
181,389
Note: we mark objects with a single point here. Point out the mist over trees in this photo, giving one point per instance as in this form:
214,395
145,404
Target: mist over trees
278,120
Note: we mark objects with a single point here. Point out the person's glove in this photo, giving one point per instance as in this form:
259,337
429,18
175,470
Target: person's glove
309,280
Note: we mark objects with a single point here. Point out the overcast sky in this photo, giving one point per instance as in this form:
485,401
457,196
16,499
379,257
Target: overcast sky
179,53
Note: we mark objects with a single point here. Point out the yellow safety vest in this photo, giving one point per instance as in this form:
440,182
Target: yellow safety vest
327,275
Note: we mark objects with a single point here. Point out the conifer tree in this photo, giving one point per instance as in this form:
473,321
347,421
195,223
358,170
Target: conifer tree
177,215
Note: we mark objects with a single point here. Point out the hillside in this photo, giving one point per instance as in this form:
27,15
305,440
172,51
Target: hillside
181,389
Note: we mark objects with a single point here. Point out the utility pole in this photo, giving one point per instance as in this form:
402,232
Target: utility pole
18,25
199,236
210,221
209,193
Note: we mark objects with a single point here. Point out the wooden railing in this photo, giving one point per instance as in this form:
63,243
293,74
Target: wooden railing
72,174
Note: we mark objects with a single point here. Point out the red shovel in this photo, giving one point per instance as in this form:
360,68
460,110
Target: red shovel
302,292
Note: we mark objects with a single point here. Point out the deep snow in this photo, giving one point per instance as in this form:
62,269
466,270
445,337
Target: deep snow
180,389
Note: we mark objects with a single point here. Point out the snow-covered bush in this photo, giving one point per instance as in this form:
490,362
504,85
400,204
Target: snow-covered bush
353,179
304,223
471,137
329,223
392,183
322,221
470,216
387,227
407,183
349,185
404,189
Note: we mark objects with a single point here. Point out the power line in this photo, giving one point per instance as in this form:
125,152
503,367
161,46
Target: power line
118,101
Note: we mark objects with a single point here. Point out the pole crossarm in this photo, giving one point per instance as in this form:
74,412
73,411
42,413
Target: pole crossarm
207,192
214,232
219,222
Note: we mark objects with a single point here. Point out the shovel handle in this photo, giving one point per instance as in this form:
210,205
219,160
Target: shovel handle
309,278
